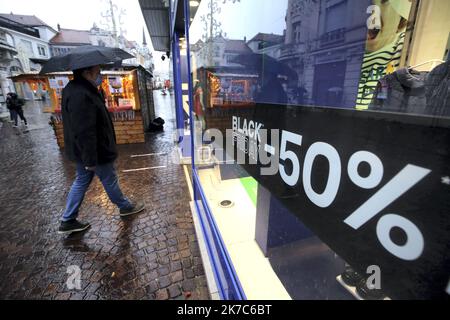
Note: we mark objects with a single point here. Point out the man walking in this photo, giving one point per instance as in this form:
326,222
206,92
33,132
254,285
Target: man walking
90,141
14,105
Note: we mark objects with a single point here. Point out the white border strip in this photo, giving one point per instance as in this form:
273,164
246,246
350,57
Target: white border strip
142,169
149,154
210,280
188,181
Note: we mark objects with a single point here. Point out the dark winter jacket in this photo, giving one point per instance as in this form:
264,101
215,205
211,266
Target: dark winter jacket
402,91
438,91
89,135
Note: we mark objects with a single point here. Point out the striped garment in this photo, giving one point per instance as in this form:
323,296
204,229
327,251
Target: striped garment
375,66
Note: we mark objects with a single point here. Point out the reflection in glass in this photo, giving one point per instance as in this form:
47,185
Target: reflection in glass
309,67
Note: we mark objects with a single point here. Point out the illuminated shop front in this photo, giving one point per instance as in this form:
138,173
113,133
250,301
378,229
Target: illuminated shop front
321,164
128,97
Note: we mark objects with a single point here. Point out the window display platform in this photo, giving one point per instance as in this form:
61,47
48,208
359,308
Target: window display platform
237,229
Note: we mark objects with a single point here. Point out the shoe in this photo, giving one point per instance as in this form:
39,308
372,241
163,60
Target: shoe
350,276
136,208
71,226
368,293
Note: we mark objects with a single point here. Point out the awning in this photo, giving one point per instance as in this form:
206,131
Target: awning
36,76
27,76
179,15
235,75
156,16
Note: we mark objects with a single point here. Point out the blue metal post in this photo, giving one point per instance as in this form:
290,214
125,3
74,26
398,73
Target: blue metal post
177,86
208,221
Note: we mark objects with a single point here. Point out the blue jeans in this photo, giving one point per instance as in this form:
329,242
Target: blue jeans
15,114
108,177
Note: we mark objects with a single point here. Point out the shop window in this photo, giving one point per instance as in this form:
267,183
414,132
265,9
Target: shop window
358,123
416,86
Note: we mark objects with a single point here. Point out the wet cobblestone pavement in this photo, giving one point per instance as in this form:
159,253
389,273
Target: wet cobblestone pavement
153,255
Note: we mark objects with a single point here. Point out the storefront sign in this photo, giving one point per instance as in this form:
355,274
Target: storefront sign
53,84
216,101
126,103
375,187
58,82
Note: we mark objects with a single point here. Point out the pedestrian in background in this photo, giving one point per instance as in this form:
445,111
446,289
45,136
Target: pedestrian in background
9,107
14,105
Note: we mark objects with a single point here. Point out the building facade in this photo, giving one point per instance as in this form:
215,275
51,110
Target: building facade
218,52
7,53
268,44
29,36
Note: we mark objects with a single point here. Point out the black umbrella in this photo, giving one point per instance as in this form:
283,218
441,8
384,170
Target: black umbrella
264,64
83,57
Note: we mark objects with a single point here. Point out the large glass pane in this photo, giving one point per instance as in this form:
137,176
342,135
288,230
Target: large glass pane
322,144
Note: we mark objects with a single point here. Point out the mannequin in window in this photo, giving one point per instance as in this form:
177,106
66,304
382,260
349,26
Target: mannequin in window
384,46
199,105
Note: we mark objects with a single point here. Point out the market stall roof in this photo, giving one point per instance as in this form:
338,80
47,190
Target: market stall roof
36,76
33,75
156,15
236,75
127,66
